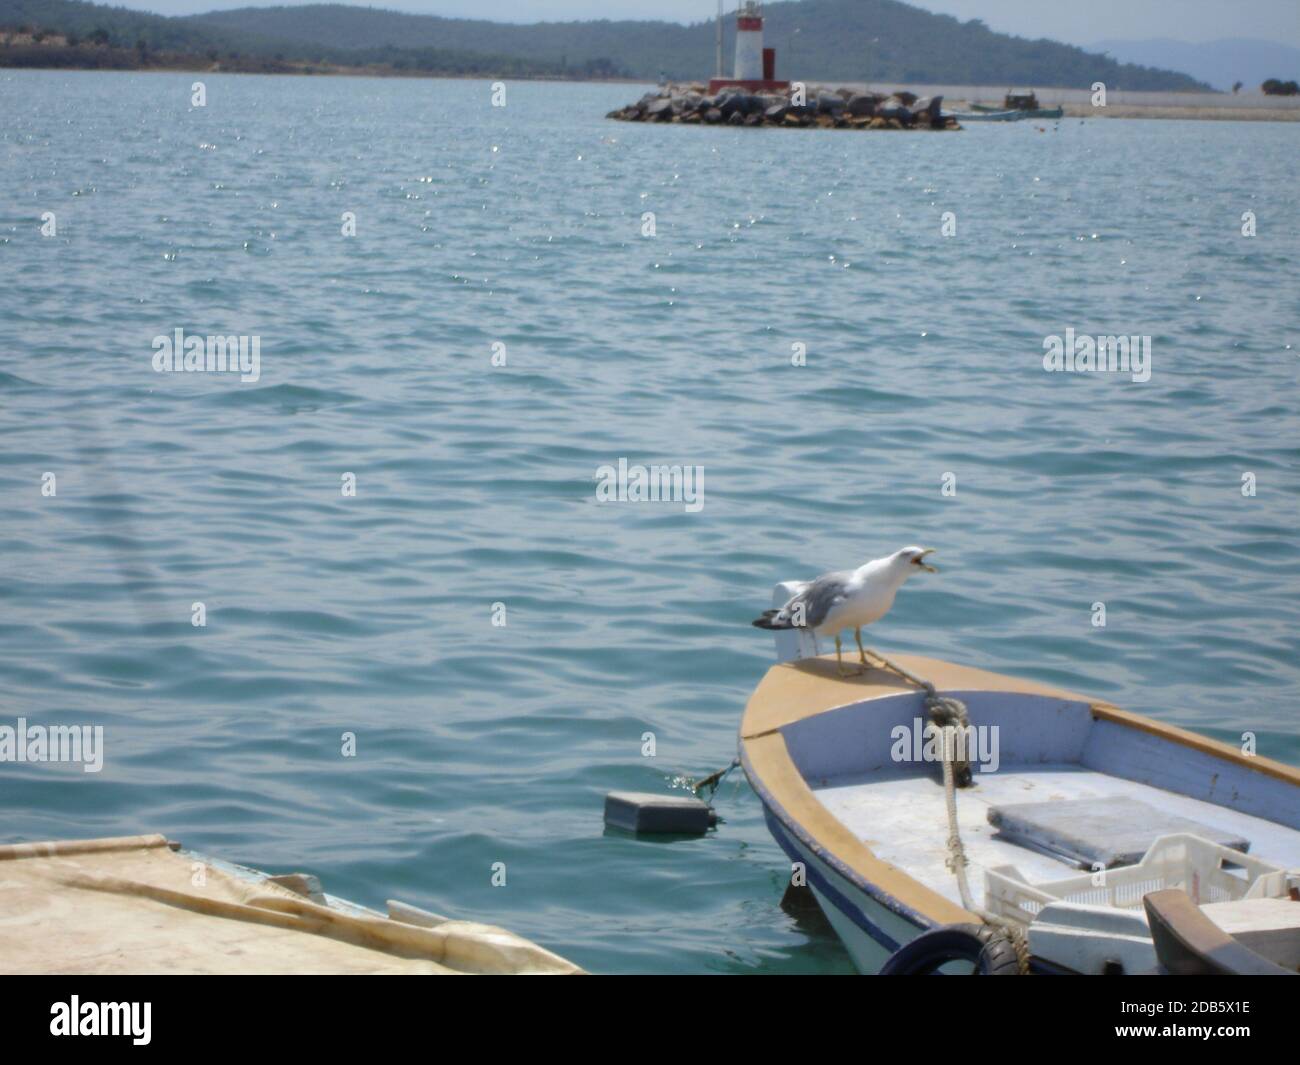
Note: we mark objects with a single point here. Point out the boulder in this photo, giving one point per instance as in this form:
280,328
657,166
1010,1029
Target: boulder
755,119
792,119
777,112
712,115
863,104
659,110
895,110
909,98
828,103
733,103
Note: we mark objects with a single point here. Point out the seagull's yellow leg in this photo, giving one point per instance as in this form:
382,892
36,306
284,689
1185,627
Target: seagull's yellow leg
862,654
839,658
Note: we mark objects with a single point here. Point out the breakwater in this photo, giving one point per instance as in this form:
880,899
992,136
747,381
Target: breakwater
798,107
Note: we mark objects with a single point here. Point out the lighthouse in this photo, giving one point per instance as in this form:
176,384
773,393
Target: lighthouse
755,68
749,43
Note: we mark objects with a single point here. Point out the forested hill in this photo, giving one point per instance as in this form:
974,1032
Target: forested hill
73,34
849,40
845,40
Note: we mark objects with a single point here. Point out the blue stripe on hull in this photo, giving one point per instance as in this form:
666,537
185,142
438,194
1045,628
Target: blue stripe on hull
826,887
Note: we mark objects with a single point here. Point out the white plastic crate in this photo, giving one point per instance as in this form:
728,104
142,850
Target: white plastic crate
1205,870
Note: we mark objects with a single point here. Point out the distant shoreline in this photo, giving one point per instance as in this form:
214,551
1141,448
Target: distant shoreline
1186,111
130,60
316,70
125,60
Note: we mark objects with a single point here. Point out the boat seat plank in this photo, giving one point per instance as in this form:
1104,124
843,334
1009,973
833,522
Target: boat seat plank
1099,833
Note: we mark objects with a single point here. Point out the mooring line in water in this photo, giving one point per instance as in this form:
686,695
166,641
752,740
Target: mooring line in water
714,780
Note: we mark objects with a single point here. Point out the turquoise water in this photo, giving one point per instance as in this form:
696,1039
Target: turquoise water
372,615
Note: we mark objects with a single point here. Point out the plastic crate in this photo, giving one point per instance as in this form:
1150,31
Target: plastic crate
1205,870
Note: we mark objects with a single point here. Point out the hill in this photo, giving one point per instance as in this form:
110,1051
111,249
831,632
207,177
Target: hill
845,40
848,40
78,35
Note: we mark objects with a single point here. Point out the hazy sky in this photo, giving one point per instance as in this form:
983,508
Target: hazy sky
1074,21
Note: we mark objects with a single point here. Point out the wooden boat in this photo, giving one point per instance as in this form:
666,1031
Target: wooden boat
984,114
987,116
1023,101
861,813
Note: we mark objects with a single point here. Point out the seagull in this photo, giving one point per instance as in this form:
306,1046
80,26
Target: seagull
848,598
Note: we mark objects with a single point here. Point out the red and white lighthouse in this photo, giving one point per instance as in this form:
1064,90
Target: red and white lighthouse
755,67
749,43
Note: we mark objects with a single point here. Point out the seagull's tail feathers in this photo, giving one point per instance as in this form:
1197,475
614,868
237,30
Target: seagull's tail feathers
773,619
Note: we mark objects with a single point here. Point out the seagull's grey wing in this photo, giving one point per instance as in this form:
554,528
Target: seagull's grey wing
821,597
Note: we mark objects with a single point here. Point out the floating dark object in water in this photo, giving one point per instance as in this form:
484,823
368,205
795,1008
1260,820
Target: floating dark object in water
647,812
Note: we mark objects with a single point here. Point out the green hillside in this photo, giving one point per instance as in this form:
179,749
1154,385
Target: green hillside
847,40
117,38
850,40
126,28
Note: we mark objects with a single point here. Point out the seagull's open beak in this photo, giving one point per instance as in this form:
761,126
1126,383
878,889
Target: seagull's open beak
925,565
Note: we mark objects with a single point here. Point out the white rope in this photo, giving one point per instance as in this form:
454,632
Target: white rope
947,715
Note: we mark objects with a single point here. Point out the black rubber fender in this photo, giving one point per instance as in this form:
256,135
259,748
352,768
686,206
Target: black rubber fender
989,950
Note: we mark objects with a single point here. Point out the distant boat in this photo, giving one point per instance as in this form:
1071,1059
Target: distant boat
1074,785
986,114
1017,104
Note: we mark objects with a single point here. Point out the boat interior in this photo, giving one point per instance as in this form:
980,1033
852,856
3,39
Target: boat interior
1071,788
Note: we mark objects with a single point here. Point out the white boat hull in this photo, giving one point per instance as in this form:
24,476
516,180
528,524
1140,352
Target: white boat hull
869,930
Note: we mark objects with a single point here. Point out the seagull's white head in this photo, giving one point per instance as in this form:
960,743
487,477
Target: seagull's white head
910,559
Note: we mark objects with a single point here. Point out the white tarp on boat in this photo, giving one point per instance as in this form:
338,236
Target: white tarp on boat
133,905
